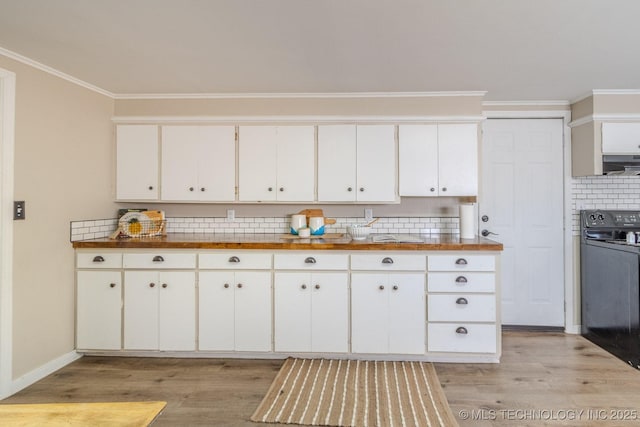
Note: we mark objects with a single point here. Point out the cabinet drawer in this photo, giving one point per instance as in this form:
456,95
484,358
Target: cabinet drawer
159,260
462,262
463,338
235,261
387,262
99,260
461,307
461,282
311,261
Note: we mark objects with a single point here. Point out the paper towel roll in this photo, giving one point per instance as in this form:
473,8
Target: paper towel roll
467,221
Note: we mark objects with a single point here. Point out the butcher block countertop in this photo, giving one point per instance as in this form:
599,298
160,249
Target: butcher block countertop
445,242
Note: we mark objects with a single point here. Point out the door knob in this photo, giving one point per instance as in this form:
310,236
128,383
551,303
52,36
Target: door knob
484,218
486,233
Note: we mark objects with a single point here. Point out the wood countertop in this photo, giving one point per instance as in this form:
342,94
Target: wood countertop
445,242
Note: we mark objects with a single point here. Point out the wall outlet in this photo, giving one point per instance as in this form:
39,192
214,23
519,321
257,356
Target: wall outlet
19,210
368,214
231,214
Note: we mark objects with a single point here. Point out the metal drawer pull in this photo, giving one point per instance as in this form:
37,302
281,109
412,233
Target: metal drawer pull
164,285
98,258
387,260
310,260
112,285
234,259
152,285
203,189
462,301
317,286
462,330
461,280
395,287
461,261
158,258
281,188
151,187
190,188
239,285
304,286
381,287
226,286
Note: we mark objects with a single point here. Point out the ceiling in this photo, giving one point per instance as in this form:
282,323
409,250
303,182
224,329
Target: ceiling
516,50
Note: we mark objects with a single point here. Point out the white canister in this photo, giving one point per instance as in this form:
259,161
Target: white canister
467,221
298,222
316,224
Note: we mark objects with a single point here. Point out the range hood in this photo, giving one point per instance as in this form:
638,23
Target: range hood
620,164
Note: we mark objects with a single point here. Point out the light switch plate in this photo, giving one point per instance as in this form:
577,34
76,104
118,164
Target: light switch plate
231,214
368,214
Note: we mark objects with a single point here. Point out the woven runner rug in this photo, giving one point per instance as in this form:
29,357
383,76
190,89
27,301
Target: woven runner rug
111,414
320,392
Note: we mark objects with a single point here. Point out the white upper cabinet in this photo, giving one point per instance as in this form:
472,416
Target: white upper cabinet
276,163
621,138
137,162
356,163
198,163
438,160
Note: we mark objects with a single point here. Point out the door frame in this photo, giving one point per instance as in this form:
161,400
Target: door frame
571,300
7,144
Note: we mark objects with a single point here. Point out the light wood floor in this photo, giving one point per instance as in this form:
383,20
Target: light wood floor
541,375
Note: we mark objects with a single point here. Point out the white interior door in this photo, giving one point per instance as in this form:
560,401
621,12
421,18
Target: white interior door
522,199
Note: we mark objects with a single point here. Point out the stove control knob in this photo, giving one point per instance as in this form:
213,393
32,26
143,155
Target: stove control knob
600,217
592,217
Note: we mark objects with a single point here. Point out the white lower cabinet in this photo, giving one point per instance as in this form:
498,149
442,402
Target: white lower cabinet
311,312
235,311
99,310
388,313
159,310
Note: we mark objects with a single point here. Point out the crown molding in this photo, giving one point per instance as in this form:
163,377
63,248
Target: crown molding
298,95
630,117
292,119
556,103
54,72
606,92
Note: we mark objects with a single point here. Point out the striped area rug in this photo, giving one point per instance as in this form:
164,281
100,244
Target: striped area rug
321,392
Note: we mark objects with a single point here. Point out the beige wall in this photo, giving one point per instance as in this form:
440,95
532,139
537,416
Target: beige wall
582,108
63,172
616,104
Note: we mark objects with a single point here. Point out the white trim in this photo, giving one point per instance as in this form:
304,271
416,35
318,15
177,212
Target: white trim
7,144
558,103
296,95
626,117
616,91
571,299
44,370
35,64
581,121
292,119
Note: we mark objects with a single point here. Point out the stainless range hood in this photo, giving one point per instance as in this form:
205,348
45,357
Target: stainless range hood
620,164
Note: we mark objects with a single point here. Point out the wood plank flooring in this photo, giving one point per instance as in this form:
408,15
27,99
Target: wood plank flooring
545,378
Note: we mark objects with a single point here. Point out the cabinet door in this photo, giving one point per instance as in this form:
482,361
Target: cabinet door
252,311
295,163
329,313
337,163
407,313
620,138
257,163
458,159
376,163
137,162
216,310
292,316
177,313
369,313
418,160
198,163
141,310
99,310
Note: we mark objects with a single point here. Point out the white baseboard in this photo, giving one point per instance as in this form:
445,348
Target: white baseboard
41,372
573,329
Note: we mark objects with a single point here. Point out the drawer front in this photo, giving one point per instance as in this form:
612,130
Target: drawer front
461,282
311,261
388,262
461,308
235,261
159,260
99,259
461,262
462,338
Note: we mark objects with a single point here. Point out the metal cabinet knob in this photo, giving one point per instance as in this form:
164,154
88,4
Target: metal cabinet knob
395,287
270,188
444,188
310,260
151,187
158,258
226,286
461,280
112,285
317,286
98,258
461,261
387,260
152,285
190,188
349,189
361,189
432,189
234,259
203,189
239,285
281,189
164,285
381,287
304,286
462,330
462,301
